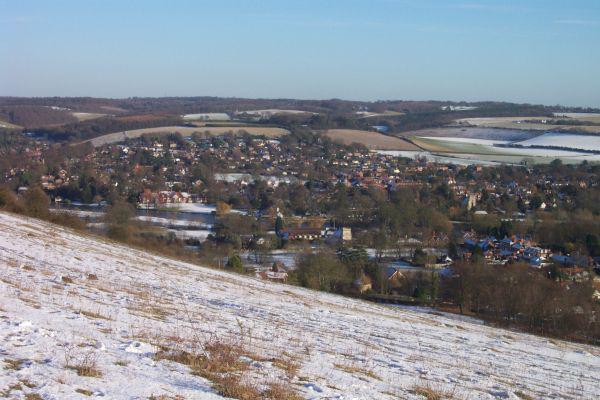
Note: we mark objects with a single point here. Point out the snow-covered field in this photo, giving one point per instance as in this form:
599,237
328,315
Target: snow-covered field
198,208
584,142
198,234
53,313
207,117
191,207
273,111
461,147
172,222
485,142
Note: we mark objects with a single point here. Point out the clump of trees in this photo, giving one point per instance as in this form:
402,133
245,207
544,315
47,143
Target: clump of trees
234,263
97,127
35,203
336,271
324,271
516,295
118,217
9,201
31,116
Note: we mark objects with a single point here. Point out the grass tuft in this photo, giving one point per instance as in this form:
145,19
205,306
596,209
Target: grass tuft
430,393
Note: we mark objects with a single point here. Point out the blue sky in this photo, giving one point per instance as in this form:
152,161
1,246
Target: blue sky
524,51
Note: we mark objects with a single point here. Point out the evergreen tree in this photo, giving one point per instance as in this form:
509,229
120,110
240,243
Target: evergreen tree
234,263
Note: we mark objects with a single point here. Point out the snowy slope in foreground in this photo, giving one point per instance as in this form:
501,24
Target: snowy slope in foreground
45,322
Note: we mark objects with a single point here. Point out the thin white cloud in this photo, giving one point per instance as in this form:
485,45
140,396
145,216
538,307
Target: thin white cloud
583,22
489,7
20,19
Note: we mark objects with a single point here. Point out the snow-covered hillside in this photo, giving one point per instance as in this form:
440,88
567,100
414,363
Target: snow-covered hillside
67,300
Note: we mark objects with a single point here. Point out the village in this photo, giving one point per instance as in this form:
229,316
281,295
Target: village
272,180
300,200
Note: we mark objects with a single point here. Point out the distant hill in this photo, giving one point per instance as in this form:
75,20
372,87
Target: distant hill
84,316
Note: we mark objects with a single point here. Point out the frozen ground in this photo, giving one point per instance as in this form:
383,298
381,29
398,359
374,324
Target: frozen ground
199,208
52,315
585,142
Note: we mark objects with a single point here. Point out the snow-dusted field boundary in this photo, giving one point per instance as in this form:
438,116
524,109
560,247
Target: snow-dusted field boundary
51,312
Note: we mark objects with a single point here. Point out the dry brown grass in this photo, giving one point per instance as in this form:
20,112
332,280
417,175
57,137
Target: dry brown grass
288,364
14,364
281,390
95,315
356,370
155,312
432,393
86,369
84,363
84,392
6,392
372,140
523,395
28,383
225,364
231,385
216,358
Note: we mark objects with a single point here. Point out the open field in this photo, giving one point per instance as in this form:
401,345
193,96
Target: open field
551,140
80,314
454,158
272,111
519,123
140,118
223,123
556,139
528,156
485,150
113,109
85,116
472,132
589,117
458,145
206,117
185,131
368,114
372,140
7,125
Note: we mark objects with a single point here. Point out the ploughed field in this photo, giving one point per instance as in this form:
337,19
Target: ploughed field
372,140
82,316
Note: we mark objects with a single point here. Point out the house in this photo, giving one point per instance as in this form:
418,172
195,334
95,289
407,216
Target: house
363,284
301,234
339,234
277,273
392,275
346,234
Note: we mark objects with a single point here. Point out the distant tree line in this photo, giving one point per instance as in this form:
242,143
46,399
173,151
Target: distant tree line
34,116
97,127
